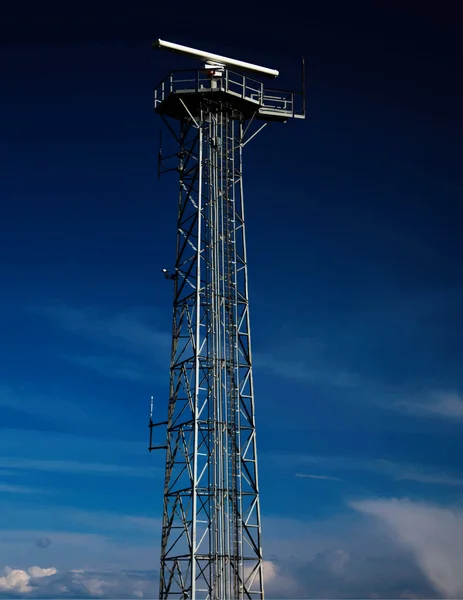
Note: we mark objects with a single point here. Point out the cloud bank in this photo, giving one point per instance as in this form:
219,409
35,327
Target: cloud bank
37,582
381,548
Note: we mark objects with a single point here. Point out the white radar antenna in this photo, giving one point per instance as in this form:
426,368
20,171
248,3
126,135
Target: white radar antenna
214,60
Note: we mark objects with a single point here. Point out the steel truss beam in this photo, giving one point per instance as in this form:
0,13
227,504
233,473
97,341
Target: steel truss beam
211,535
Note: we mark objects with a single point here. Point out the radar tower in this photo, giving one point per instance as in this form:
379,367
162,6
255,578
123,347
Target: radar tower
211,534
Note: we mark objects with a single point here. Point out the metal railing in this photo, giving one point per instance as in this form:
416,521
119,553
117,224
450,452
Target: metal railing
237,84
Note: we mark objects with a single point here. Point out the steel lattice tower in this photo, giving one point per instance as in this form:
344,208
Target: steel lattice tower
211,534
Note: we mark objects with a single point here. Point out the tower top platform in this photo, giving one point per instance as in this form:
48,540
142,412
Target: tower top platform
182,90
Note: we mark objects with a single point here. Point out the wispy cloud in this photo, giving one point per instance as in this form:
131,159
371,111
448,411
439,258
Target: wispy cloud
76,521
429,403
133,343
112,366
360,356
358,388
132,331
434,403
101,457
146,523
68,466
309,370
419,473
309,476
40,405
46,442
397,471
20,489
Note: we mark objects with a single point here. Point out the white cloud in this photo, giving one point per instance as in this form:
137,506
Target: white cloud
278,582
38,572
15,580
94,586
18,580
338,560
433,534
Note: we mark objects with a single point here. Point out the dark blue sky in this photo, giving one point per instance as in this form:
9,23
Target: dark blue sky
354,219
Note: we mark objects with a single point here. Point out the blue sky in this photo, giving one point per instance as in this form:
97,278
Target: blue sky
356,288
